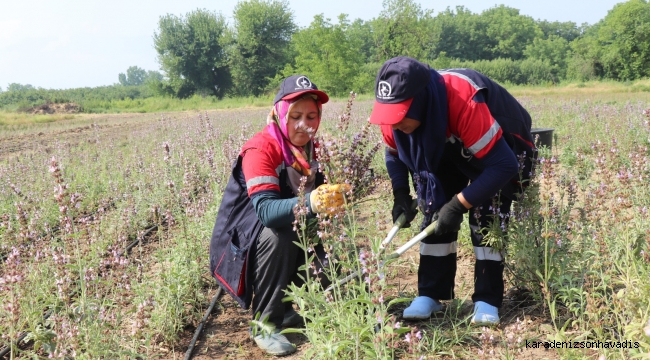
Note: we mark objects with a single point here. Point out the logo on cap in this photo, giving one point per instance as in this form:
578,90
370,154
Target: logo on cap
384,90
303,83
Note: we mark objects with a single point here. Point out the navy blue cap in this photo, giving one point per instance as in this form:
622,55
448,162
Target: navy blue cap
297,85
398,81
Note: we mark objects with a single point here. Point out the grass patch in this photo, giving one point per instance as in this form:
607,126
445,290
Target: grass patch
14,118
581,88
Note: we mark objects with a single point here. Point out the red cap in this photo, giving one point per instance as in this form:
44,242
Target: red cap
389,114
398,81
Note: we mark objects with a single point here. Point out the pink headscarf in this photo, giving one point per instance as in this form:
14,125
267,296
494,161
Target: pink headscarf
294,156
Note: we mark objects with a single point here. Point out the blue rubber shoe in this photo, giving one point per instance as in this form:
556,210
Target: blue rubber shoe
274,344
421,308
485,313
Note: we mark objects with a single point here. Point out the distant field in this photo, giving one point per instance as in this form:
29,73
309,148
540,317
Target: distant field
601,91
620,90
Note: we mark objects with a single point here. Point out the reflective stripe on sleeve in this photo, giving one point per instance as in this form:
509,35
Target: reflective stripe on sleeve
438,249
485,139
470,81
487,253
261,180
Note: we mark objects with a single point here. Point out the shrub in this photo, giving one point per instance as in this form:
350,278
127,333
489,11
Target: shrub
506,71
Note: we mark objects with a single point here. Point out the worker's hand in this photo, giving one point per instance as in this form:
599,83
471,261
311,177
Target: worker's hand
328,198
403,203
450,216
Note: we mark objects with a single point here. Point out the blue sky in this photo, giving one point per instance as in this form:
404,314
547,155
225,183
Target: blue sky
73,43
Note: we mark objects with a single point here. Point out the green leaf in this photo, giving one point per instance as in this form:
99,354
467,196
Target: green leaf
398,301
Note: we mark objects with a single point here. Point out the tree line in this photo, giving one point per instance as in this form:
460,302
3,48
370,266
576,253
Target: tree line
200,53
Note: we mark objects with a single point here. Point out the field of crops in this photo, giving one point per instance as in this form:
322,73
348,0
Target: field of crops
105,224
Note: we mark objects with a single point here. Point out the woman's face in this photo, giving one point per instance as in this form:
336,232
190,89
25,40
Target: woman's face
302,121
406,125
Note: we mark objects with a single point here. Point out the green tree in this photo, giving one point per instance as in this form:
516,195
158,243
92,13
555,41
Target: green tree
567,30
403,28
19,87
134,76
461,34
625,40
191,54
499,32
326,54
154,81
360,33
121,77
153,76
510,31
259,45
554,50
584,63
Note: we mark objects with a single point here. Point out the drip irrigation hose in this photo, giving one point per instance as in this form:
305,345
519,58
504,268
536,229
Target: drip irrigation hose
6,350
199,329
55,229
137,238
22,337
3,257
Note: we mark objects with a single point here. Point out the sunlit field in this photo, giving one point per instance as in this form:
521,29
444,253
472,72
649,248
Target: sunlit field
106,219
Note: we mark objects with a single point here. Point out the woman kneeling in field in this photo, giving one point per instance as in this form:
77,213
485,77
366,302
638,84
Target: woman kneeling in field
252,251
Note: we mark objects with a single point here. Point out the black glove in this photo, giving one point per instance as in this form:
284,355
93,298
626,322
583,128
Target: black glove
450,216
403,203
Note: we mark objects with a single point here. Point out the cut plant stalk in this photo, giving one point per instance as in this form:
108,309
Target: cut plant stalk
398,224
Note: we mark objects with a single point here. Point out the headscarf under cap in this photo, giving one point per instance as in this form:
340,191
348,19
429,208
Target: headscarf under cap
422,150
296,157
